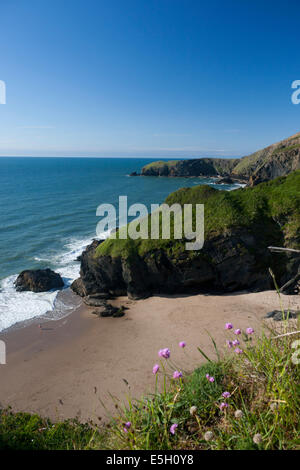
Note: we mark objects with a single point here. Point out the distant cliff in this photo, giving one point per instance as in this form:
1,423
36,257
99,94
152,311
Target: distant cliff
278,159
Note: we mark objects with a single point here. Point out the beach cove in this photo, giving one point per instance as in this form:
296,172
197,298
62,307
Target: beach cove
69,367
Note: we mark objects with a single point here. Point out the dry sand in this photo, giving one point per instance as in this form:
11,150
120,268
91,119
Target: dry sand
67,367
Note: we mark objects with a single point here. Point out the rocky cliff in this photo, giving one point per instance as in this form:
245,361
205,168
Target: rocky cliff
276,160
239,226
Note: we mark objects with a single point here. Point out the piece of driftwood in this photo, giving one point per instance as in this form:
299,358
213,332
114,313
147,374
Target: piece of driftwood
278,249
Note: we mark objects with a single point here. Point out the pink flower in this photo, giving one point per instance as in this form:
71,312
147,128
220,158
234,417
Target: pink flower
173,428
223,405
228,326
127,426
237,331
155,369
226,394
182,344
210,378
229,343
238,351
249,331
236,342
164,353
177,374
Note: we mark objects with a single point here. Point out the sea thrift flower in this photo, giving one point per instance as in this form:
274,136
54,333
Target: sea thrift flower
237,331
210,378
228,326
193,410
229,343
127,426
177,374
164,353
155,369
226,394
173,428
238,351
235,342
238,414
257,438
249,331
223,405
182,344
208,436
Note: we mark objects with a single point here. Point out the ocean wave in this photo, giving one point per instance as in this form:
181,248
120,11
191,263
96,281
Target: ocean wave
18,307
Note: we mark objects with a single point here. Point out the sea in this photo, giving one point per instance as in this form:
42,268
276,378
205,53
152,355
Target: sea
48,217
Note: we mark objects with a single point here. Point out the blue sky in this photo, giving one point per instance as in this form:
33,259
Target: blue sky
147,77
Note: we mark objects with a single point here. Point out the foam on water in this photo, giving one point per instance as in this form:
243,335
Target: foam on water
18,307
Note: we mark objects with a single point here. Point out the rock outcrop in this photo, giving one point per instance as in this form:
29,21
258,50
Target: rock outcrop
239,226
38,280
278,159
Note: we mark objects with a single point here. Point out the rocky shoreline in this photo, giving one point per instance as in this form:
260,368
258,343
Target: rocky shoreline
264,165
234,257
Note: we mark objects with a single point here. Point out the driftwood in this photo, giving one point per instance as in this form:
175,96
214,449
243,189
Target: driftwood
277,249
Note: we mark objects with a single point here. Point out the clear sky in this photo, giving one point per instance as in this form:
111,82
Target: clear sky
147,77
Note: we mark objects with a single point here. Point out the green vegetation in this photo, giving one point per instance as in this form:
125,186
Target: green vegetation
25,431
285,149
259,409
255,208
161,164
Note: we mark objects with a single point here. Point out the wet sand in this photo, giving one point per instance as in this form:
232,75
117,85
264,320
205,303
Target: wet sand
66,368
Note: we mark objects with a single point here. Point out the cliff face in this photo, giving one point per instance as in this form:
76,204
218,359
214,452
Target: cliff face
239,226
276,160
195,167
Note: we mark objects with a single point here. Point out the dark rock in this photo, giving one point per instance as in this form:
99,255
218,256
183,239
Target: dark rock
38,280
278,315
108,310
119,313
78,287
134,173
226,180
93,301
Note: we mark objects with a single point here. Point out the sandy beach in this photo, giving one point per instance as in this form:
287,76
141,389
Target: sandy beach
66,368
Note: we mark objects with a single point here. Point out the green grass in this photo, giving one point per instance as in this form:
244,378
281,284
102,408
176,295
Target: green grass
25,431
285,149
262,209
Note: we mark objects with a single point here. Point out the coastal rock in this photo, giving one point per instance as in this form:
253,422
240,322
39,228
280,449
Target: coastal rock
240,225
134,173
191,167
108,310
276,160
97,300
226,180
278,315
38,280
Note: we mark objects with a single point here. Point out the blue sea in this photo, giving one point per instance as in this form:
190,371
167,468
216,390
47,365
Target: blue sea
48,216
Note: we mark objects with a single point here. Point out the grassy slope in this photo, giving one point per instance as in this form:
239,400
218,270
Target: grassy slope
275,200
